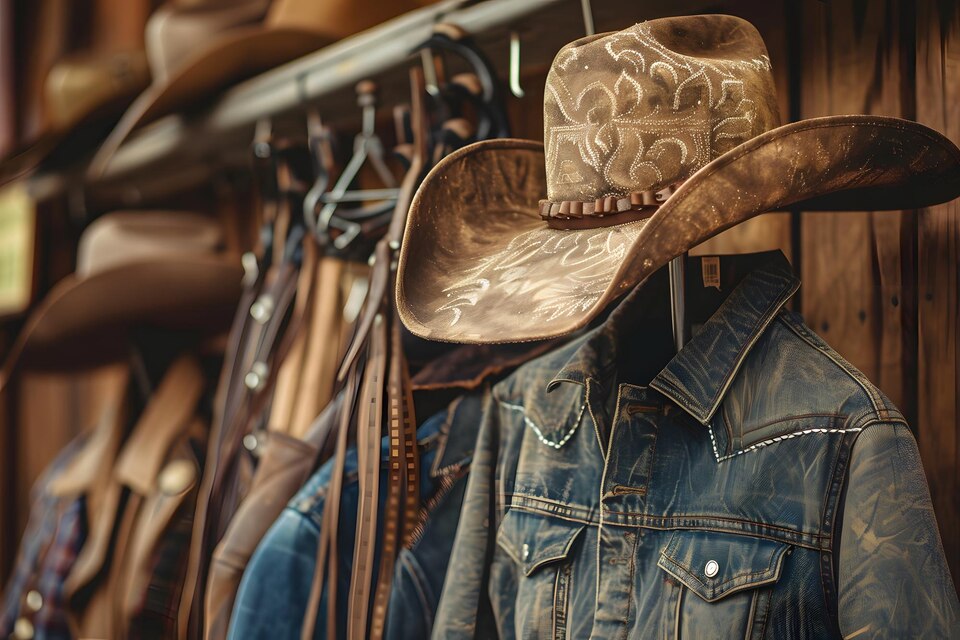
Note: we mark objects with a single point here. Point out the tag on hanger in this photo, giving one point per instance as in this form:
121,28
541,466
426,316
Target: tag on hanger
710,269
17,246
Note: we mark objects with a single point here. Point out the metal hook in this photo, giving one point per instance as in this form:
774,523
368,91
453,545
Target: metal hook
588,26
430,71
514,75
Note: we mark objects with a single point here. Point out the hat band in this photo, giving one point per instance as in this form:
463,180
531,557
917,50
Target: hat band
605,211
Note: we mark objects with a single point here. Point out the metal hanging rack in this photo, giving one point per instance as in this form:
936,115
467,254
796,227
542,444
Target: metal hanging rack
183,148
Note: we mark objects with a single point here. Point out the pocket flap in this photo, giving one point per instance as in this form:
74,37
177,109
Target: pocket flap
714,565
534,540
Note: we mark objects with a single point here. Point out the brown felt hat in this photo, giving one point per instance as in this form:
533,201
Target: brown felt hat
156,269
200,48
655,139
84,95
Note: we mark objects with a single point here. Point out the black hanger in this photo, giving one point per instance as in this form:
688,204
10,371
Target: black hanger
323,211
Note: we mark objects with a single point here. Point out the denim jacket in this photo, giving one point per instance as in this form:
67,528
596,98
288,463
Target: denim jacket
757,486
275,588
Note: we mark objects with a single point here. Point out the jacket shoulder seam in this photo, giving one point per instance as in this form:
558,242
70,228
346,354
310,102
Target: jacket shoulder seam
880,407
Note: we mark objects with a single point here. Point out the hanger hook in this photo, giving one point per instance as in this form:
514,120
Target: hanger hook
588,17
514,75
430,71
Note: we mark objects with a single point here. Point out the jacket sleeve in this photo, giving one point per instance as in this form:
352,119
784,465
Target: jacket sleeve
893,577
464,610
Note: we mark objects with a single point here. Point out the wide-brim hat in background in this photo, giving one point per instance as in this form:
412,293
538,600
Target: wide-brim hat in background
230,53
656,138
84,96
135,270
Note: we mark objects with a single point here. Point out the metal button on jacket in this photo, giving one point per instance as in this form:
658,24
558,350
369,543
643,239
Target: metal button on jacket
711,569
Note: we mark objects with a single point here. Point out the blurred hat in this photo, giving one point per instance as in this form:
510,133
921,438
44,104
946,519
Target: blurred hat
199,48
152,269
84,96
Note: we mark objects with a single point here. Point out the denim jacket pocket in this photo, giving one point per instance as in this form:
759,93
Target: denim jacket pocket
539,567
726,582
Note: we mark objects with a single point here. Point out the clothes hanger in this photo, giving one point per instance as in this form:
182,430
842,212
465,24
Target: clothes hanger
367,149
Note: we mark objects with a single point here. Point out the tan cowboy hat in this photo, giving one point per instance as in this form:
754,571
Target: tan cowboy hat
152,269
656,138
84,95
200,53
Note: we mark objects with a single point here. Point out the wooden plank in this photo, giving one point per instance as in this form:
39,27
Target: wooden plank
938,106
858,291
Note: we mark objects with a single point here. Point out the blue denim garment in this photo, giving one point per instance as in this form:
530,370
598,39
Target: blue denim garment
757,486
54,536
275,588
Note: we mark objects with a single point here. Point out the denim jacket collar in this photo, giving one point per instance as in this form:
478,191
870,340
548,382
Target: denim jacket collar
722,343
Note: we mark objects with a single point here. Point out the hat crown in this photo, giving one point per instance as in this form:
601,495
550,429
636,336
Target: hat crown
126,237
645,108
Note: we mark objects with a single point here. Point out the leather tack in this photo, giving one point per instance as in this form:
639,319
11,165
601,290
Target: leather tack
34,600
176,477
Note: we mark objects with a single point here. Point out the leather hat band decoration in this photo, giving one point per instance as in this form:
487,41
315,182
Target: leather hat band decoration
604,212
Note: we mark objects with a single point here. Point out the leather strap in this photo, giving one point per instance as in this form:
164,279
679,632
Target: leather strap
331,507
404,460
369,430
217,499
191,598
402,506
403,488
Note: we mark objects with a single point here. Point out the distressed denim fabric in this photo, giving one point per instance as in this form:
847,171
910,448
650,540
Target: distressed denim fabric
757,486
276,586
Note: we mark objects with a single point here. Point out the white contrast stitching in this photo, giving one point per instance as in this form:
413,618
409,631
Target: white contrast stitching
542,438
764,443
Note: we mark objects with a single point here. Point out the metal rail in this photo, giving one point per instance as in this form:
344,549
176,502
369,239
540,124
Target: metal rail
334,69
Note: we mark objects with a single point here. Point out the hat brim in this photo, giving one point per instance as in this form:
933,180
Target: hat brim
478,265
81,319
237,56
63,145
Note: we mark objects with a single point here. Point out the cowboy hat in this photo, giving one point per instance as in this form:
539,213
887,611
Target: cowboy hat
84,95
656,138
153,269
291,29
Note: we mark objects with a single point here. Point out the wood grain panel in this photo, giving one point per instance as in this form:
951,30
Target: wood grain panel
53,408
858,281
938,106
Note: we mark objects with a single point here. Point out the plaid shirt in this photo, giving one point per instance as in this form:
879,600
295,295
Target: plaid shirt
54,536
